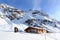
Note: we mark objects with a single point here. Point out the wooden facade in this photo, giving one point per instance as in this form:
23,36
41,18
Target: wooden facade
35,30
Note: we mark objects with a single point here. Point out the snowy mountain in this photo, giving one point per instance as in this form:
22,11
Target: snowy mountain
11,17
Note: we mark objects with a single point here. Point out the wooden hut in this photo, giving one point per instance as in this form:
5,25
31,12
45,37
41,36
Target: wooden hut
35,30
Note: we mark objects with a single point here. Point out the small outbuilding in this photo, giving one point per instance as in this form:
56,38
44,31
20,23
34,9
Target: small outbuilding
35,30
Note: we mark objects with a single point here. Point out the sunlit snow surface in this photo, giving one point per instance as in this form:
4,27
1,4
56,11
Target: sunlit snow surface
28,36
7,25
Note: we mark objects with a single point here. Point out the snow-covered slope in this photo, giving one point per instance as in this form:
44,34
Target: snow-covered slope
13,17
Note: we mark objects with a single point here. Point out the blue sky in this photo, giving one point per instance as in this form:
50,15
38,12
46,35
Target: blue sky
52,7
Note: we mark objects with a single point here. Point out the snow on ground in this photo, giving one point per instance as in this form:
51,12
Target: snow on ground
28,36
7,25
21,27
20,36
52,29
4,25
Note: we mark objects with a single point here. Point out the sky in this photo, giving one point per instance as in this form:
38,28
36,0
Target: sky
51,7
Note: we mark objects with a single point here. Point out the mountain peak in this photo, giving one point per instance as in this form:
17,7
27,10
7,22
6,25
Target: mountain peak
5,5
34,18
